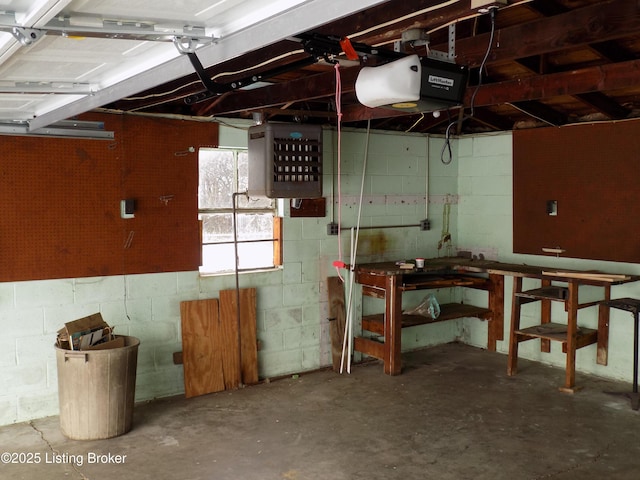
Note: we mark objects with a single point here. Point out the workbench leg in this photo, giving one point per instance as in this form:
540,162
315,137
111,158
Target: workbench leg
602,357
545,317
392,326
496,305
572,339
512,364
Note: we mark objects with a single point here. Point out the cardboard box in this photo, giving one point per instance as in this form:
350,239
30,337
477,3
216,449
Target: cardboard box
84,333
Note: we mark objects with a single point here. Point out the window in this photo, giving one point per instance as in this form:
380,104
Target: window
223,181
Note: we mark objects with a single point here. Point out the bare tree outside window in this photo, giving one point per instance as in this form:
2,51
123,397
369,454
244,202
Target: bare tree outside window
224,172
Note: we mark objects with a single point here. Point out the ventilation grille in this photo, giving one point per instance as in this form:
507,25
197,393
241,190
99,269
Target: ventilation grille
285,161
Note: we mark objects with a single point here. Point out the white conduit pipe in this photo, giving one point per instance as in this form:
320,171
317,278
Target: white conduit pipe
347,341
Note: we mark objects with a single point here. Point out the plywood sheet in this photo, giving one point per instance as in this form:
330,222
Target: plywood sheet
591,171
61,200
203,366
337,317
246,369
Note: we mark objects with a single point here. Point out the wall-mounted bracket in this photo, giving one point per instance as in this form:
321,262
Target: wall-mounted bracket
450,55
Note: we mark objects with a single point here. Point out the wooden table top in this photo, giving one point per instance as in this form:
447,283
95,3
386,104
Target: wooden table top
461,264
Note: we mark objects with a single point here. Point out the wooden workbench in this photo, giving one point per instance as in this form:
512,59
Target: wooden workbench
387,281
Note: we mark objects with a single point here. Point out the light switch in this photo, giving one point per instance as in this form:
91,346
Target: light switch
127,208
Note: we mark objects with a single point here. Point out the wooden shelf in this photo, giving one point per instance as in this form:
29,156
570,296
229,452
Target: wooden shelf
419,281
557,332
448,311
558,294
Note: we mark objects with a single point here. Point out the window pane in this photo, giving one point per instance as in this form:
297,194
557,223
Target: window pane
220,258
256,255
217,258
217,178
217,227
243,171
255,226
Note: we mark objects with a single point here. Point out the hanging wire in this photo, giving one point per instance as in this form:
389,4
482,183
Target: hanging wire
338,101
447,142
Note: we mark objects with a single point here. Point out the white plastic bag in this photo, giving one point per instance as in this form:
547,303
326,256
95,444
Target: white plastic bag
428,307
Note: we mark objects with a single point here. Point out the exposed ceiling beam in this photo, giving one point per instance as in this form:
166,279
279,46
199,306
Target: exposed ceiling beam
511,47
592,24
491,120
304,89
574,82
547,8
604,104
536,87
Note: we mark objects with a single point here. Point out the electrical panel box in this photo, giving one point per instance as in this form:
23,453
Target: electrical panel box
285,161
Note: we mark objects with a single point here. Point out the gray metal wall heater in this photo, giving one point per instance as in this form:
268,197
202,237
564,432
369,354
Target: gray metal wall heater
285,161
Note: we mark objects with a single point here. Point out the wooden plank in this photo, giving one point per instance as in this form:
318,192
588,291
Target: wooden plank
448,311
559,332
374,323
369,347
598,276
545,315
277,244
248,336
177,358
309,207
229,330
337,319
203,371
516,308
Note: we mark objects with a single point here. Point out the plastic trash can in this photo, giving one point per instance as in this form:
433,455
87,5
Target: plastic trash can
96,390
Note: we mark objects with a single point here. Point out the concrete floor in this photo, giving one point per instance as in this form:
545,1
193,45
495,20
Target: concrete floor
452,414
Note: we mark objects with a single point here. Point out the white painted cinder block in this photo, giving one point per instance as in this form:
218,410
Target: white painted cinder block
35,350
99,289
7,300
44,293
149,285
9,410
7,351
37,405
24,379
22,322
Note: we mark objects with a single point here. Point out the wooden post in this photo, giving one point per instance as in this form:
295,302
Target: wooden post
545,317
603,328
496,305
512,364
392,327
572,338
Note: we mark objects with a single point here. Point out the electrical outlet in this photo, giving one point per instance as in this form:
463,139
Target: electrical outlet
425,224
332,229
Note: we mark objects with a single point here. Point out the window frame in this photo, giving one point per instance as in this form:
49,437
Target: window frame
235,212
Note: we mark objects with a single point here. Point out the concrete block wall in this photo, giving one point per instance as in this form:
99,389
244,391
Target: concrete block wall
292,301
292,324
